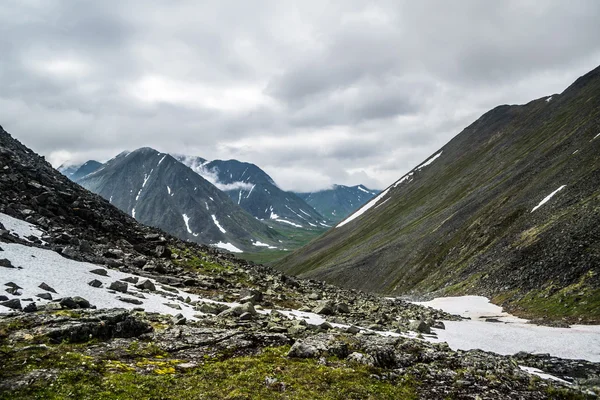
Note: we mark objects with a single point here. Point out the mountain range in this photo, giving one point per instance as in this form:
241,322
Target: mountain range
509,208
338,202
230,204
160,191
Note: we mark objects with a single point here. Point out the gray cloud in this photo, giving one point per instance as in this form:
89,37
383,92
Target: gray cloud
345,92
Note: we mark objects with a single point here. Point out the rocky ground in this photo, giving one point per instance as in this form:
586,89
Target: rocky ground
241,339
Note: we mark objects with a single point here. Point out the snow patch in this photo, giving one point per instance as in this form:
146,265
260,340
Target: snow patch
547,198
430,161
542,374
162,159
214,217
228,246
595,137
20,228
261,244
133,212
288,222
511,334
363,190
549,99
168,190
186,220
364,208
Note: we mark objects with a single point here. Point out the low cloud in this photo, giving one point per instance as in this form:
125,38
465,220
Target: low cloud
314,93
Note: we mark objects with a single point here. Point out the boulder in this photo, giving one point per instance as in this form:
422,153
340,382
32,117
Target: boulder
324,308
14,304
146,285
6,263
47,288
45,296
302,350
419,326
99,271
95,283
118,286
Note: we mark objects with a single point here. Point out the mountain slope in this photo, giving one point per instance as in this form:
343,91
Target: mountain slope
338,202
159,191
76,172
256,192
466,220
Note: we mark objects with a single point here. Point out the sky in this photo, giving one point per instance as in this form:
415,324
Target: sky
316,93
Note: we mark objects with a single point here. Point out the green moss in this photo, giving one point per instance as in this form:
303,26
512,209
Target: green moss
577,302
235,378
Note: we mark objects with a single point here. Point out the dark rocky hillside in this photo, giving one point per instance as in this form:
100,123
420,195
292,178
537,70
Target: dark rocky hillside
159,191
338,202
470,218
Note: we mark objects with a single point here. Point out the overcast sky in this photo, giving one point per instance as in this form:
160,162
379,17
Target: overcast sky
314,92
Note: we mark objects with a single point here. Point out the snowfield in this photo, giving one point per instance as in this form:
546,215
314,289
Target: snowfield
511,334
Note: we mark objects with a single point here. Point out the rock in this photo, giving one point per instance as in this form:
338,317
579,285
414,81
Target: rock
6,263
360,358
14,304
54,306
301,350
3,297
13,285
114,253
325,326
45,296
353,329
315,296
207,308
246,316
139,261
343,308
47,288
131,279
419,326
108,325
130,300
324,308
14,291
31,307
81,302
179,319
173,306
99,271
146,285
95,283
68,303
162,252
118,286
438,325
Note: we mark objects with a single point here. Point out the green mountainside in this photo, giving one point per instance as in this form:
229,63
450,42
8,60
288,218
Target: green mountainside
467,220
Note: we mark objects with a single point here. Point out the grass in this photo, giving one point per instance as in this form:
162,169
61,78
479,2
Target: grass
269,375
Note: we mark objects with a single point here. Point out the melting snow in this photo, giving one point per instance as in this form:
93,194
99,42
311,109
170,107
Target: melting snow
363,190
595,137
20,228
133,212
549,99
250,192
428,162
288,222
186,219
511,334
542,374
364,208
217,223
547,198
69,278
228,246
168,189
146,177
261,244
162,159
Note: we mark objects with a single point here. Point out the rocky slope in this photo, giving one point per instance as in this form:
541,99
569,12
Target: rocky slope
230,329
159,191
256,192
340,201
508,208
